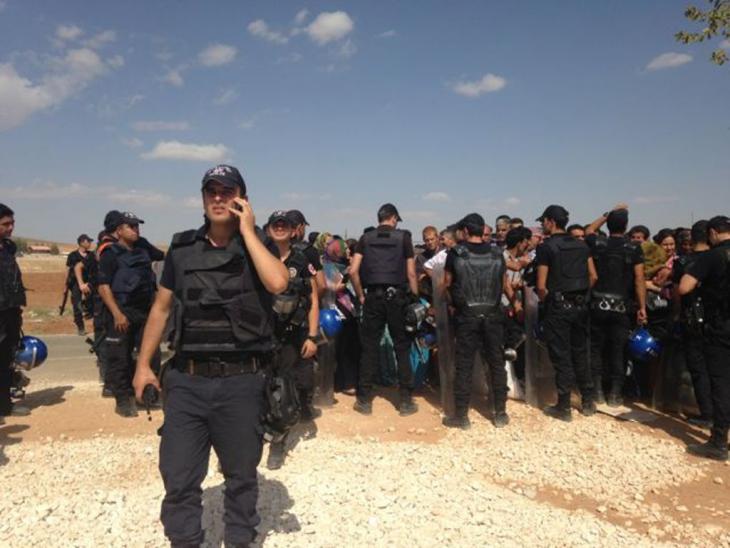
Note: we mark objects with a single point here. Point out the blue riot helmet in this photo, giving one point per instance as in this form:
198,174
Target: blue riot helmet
330,321
642,346
31,353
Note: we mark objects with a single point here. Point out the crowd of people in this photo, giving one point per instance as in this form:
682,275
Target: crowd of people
247,311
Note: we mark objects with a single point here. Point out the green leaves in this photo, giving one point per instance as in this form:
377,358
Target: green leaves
717,23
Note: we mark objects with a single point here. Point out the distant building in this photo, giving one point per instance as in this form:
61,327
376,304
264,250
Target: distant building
39,249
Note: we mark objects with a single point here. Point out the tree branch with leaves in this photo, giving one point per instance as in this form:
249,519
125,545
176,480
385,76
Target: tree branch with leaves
716,21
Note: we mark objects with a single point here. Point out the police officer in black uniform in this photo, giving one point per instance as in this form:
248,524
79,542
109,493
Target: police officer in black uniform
296,317
383,272
77,281
476,276
127,287
12,299
104,241
691,321
222,277
563,282
712,271
619,294
299,222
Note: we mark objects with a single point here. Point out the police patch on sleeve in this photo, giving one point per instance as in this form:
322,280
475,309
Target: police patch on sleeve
292,272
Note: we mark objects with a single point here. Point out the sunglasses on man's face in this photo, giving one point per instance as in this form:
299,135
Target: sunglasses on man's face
224,192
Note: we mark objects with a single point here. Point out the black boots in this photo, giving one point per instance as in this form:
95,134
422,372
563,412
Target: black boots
457,421
598,386
364,407
125,406
407,406
501,419
715,448
308,412
560,410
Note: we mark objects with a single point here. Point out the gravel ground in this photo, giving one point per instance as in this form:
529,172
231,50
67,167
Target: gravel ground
538,482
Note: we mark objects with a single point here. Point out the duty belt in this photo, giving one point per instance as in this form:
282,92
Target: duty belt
568,300
387,291
609,303
213,367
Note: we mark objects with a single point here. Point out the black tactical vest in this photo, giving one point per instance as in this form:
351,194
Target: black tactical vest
716,296
614,267
134,282
383,261
223,305
12,292
291,307
478,280
568,272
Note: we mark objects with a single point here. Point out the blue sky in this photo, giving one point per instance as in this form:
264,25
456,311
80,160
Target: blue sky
336,107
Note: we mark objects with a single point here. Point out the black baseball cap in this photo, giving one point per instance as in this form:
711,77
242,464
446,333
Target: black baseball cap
226,175
296,217
554,212
84,238
388,210
115,218
279,215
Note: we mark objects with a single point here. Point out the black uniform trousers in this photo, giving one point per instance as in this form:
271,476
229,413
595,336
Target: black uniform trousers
609,335
120,347
717,358
486,335
566,334
100,327
380,310
81,307
694,357
288,362
10,321
200,413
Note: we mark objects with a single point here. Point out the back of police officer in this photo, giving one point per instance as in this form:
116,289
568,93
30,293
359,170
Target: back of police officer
12,299
618,295
383,273
691,321
127,287
563,282
221,276
475,274
711,272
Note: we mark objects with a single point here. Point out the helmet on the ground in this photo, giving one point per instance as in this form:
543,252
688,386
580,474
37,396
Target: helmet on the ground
31,353
642,346
330,321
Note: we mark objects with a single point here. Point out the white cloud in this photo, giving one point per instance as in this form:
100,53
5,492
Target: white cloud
260,29
655,199
512,201
164,56
437,197
159,125
248,124
347,49
668,60
217,55
174,78
65,76
295,196
192,202
101,39
46,191
330,26
115,62
225,97
725,44
68,32
139,197
301,16
175,150
134,142
388,34
488,84
3,5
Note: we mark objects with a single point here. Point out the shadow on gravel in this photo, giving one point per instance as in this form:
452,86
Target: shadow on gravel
46,397
273,507
6,431
672,425
303,431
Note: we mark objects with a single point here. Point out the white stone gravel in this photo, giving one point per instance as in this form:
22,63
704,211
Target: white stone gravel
479,488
